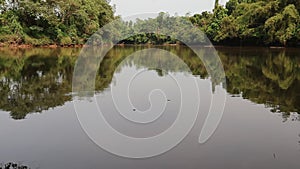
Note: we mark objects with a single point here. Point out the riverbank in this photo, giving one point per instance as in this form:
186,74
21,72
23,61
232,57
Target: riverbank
24,46
54,46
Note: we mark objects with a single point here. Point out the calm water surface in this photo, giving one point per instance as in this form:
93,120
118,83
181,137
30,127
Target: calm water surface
260,126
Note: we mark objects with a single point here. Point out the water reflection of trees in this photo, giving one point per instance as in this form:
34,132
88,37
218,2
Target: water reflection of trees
265,77
35,81
38,79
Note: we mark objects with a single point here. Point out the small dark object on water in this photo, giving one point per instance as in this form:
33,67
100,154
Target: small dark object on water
134,109
169,100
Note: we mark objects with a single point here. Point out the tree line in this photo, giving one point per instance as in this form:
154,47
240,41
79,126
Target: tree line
65,22
252,22
40,22
238,23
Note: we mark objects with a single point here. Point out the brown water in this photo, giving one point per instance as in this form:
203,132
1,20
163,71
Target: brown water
260,127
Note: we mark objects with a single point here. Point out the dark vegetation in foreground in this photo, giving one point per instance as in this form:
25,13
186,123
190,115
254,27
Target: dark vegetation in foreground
71,22
42,78
11,165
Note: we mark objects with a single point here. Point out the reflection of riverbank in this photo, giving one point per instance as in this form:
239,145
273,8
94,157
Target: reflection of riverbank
36,79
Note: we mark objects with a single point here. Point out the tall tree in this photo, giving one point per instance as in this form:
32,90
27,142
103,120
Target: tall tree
216,3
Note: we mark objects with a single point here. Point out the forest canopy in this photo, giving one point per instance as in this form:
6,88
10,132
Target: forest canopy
65,22
39,22
253,22
239,22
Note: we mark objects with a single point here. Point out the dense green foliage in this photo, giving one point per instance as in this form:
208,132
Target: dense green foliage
240,22
39,22
65,22
42,78
164,29
253,22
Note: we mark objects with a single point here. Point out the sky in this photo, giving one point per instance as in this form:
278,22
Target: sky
181,7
